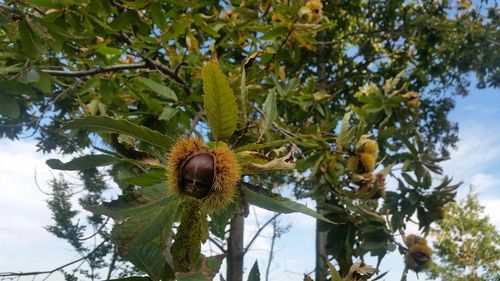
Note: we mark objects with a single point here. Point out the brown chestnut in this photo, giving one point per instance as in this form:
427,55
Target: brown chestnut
198,174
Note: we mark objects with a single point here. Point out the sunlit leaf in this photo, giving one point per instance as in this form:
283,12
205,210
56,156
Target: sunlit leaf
219,101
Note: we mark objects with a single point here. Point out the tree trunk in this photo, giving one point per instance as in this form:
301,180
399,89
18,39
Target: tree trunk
321,237
235,249
321,254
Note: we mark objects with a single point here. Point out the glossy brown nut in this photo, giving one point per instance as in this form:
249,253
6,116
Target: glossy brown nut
198,175
421,258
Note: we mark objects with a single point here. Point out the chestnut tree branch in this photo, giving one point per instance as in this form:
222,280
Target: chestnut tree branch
32,273
80,73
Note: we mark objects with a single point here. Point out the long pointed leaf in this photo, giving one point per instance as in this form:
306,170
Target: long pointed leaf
275,202
107,124
219,101
82,163
270,112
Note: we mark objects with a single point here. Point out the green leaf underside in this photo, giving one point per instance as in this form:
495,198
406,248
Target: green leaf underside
141,217
149,258
107,124
219,102
146,225
82,163
136,202
149,178
268,200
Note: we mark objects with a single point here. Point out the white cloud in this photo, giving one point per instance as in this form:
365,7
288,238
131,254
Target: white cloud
492,209
477,150
25,244
484,182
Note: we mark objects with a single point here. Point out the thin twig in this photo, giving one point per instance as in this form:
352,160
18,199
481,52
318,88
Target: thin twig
168,72
216,243
405,273
271,251
80,73
15,14
9,274
258,232
152,63
112,264
97,232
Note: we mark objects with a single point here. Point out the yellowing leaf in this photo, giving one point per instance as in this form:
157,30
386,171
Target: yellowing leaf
219,101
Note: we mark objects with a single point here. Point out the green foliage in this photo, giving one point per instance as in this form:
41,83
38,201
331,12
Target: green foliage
127,78
467,244
93,123
149,258
82,163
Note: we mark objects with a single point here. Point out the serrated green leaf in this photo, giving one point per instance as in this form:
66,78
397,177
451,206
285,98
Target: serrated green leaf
219,102
107,124
275,202
8,106
254,274
141,216
82,163
149,258
134,202
161,90
146,225
270,112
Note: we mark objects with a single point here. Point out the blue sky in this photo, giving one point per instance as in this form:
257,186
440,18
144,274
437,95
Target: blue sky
26,246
